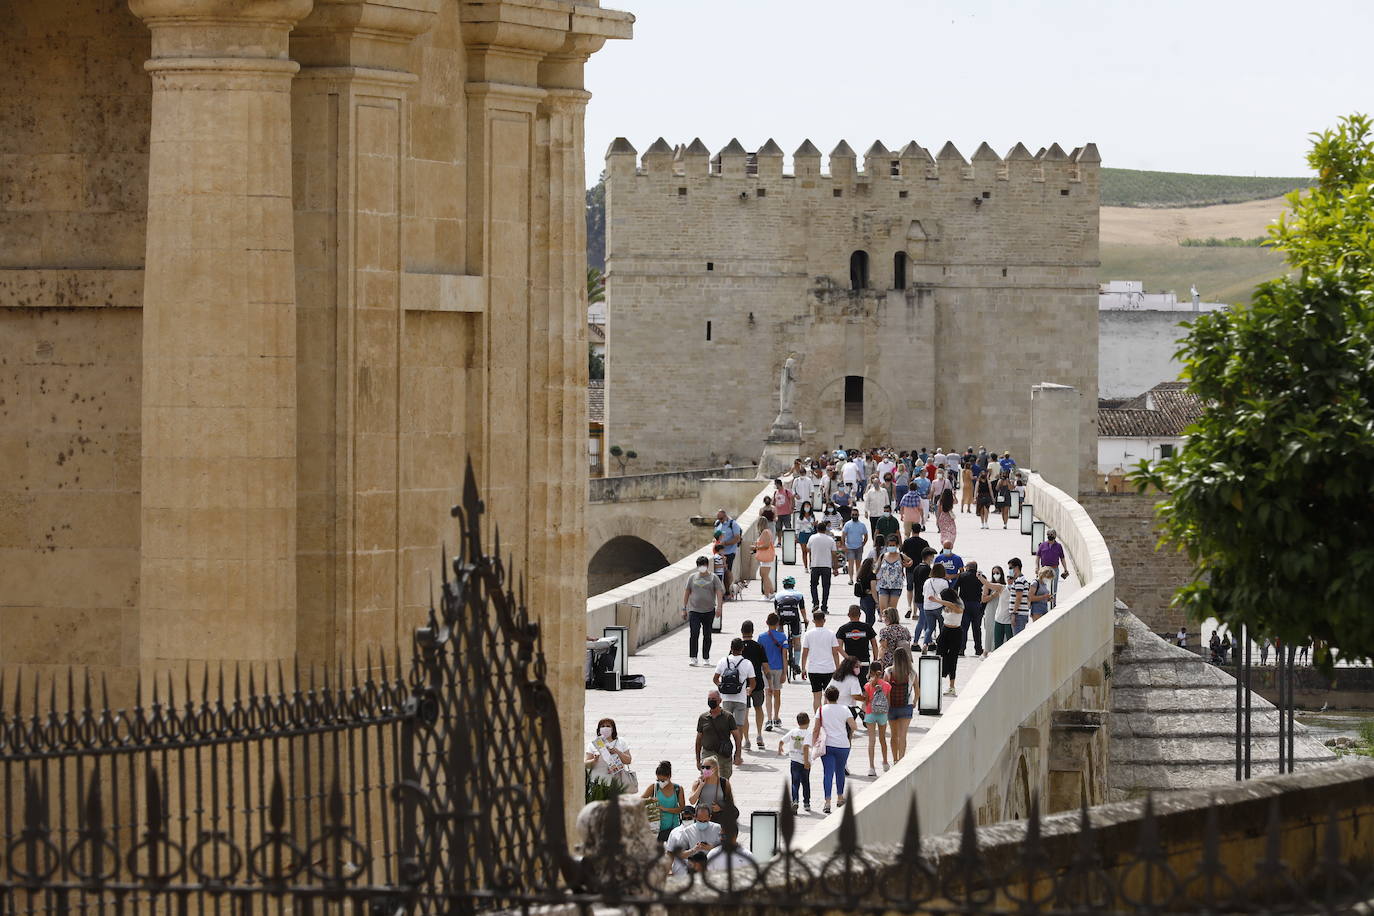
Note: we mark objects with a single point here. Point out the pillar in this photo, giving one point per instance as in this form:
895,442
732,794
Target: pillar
219,337
351,113
1055,417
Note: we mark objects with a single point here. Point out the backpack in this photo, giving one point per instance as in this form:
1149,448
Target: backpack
878,702
900,691
730,680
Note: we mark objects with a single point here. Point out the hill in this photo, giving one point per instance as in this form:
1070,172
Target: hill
1136,188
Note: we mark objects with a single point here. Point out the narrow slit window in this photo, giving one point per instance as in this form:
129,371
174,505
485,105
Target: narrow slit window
899,270
710,265
708,330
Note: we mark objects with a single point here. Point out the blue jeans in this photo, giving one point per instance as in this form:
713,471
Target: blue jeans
801,778
928,625
1018,622
870,608
833,762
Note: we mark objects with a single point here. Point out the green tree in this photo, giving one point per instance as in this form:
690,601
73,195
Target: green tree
596,224
1272,495
596,364
596,286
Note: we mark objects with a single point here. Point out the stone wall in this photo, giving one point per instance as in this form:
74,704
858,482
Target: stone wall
270,274
715,274
1009,737
1146,577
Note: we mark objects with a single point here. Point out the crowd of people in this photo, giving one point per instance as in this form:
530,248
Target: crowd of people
910,597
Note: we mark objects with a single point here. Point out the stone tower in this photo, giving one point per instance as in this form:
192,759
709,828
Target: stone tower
924,295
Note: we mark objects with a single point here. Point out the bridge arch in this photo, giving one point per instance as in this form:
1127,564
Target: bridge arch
623,548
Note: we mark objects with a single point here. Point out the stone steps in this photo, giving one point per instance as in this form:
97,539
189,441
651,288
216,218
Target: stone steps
1173,720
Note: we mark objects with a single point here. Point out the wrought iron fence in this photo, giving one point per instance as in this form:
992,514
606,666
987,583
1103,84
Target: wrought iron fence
434,784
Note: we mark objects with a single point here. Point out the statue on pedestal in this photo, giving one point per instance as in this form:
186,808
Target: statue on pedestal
785,427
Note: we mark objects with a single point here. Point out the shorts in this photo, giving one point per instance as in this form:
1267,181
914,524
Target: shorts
803,536
756,699
819,681
793,626
729,560
735,709
876,718
854,555
889,592
772,679
898,713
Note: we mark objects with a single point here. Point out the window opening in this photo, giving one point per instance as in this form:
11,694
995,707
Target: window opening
858,270
899,270
853,400
708,330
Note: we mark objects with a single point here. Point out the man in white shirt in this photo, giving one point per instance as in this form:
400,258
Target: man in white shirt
851,474
699,834
885,467
739,669
803,486
822,547
820,657
931,606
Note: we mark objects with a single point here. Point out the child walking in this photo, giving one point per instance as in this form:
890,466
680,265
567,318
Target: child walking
797,745
878,697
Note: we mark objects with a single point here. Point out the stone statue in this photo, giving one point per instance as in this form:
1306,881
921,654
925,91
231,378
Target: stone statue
787,387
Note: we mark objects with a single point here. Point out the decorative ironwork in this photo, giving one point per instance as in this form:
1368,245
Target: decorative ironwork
434,784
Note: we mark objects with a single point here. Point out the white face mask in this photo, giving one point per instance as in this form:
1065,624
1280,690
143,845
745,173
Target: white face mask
605,732
663,783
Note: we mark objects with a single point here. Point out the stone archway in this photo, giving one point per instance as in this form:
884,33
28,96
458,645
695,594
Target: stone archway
622,559
1019,792
838,417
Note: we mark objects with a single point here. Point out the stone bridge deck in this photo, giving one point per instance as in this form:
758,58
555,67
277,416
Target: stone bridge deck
659,722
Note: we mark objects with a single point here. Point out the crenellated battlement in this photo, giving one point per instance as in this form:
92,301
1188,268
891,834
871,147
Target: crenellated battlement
912,163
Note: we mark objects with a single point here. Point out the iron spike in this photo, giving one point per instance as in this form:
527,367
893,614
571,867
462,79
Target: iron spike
848,841
104,692
276,805
237,684
205,684
85,689
186,683
156,696
367,673
71,690
336,799
787,821
911,835
281,679
219,686
968,834
252,683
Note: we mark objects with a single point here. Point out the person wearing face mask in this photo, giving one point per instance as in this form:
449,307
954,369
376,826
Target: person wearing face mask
885,525
719,734
608,757
697,836
671,801
712,791
1050,554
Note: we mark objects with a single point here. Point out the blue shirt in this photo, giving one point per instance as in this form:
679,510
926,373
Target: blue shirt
1006,464
725,531
922,486
841,497
953,563
773,642
854,533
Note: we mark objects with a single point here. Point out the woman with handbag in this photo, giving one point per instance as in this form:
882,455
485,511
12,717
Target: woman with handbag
608,757
670,799
834,724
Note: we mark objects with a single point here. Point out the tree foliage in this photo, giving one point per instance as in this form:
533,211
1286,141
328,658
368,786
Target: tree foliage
1272,494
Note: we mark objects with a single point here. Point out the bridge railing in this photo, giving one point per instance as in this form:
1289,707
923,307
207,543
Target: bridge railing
664,485
652,605
962,751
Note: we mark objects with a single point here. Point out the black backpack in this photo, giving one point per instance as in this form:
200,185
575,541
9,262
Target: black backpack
730,681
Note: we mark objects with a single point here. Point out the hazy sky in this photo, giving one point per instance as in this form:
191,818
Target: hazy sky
1224,86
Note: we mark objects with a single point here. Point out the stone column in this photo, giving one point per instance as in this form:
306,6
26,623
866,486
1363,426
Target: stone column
1055,418
219,335
351,110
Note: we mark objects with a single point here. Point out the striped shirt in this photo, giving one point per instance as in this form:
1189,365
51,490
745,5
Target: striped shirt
1019,603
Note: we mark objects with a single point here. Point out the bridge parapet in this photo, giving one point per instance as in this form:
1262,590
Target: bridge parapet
658,596
995,744
684,484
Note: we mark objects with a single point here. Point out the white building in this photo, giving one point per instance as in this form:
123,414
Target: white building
1137,336
1148,426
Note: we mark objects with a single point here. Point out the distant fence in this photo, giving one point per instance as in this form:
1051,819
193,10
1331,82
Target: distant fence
667,485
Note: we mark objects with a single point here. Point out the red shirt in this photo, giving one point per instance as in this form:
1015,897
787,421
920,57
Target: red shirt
930,470
782,501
